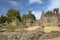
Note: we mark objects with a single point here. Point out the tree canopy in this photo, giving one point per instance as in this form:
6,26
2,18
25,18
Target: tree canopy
24,16
49,13
30,15
3,19
13,14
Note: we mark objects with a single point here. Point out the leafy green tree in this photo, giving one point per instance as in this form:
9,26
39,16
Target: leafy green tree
3,19
30,15
24,16
13,14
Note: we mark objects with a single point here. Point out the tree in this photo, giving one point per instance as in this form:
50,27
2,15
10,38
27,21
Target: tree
30,15
13,14
24,16
3,19
49,13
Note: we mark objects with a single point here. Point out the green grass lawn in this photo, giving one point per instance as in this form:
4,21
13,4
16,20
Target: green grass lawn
12,27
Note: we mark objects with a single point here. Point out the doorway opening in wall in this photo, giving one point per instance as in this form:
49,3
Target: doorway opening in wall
31,23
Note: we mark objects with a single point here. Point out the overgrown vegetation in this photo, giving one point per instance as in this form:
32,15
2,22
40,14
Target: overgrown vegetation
12,27
29,15
13,14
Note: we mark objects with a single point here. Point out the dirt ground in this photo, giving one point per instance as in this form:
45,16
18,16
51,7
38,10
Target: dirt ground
49,29
56,38
32,28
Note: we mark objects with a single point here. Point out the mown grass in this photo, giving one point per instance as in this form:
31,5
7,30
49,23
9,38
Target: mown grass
12,27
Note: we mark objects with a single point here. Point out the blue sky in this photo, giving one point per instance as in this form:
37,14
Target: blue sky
36,6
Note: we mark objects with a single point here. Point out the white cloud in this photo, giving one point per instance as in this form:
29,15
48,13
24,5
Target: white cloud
35,1
14,3
54,4
37,14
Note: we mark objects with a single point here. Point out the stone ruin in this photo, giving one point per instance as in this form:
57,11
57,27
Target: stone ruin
52,19
35,34
29,35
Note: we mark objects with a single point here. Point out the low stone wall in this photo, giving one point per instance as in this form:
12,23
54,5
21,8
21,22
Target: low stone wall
51,35
28,35
22,35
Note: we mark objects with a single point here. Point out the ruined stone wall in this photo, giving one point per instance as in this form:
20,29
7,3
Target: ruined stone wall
30,35
49,20
22,35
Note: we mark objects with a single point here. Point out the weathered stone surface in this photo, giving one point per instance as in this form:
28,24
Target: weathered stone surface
23,35
50,35
30,35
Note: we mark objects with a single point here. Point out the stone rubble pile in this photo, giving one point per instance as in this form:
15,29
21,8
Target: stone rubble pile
29,35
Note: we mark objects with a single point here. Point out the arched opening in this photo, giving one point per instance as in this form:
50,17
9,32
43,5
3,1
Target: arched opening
31,23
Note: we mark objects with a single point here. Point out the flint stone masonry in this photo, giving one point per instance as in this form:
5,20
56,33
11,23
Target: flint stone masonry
48,36
30,35
22,35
